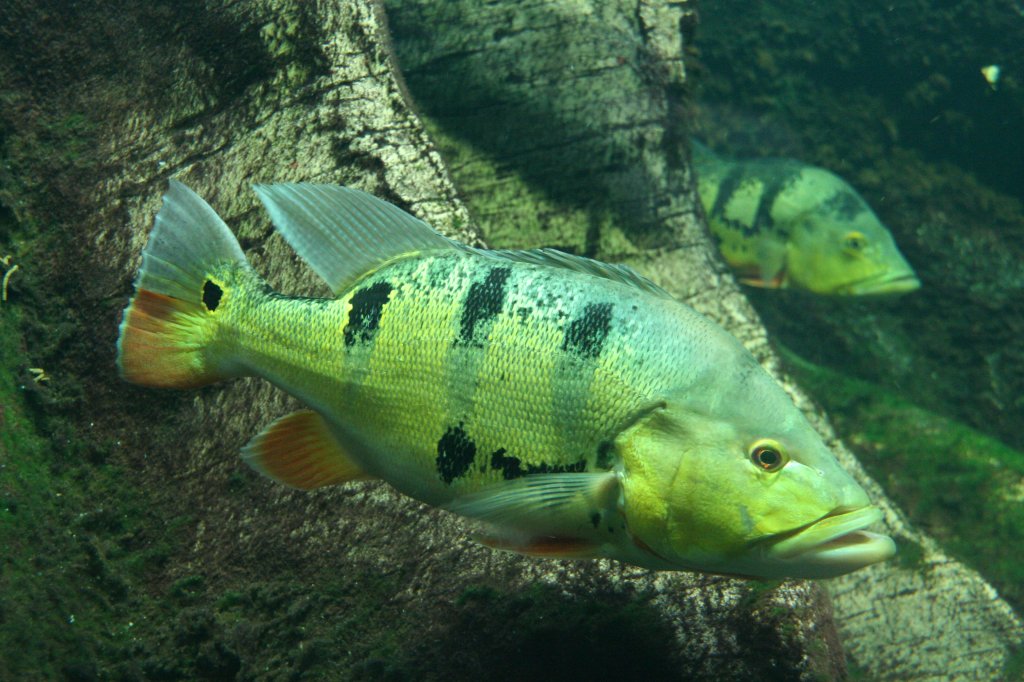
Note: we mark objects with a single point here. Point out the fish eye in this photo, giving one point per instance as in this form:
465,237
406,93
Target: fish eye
767,455
854,242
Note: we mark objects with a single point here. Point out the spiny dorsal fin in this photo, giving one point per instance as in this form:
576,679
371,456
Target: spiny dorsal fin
567,261
344,234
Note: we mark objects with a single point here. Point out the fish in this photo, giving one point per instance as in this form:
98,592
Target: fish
566,407
780,223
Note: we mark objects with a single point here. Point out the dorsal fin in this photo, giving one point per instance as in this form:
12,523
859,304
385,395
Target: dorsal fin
344,233
567,261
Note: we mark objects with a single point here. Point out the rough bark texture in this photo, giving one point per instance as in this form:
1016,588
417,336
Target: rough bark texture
164,558
483,78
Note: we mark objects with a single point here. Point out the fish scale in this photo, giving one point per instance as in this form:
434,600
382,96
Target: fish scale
415,349
571,408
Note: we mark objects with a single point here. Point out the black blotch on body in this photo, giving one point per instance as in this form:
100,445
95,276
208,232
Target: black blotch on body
774,184
604,455
595,519
511,467
364,317
483,302
726,188
845,205
455,453
211,295
586,334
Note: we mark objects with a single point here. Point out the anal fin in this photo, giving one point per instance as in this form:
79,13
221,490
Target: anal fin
299,450
547,547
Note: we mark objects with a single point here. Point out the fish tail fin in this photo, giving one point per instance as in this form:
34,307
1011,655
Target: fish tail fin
169,335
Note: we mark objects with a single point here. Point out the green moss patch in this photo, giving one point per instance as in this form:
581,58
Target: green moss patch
68,528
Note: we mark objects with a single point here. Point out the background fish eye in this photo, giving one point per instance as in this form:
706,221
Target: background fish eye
855,241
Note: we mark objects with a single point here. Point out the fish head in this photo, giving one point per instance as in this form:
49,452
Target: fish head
836,243
742,485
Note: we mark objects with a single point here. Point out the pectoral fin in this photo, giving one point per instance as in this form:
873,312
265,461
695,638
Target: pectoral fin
552,515
771,270
299,450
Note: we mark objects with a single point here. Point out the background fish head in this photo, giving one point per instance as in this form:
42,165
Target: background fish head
739,483
836,244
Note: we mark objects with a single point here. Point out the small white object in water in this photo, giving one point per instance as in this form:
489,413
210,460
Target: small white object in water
991,74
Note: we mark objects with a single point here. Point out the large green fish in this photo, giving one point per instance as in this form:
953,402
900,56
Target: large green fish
573,408
782,223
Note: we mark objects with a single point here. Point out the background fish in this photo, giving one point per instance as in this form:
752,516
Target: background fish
573,408
782,223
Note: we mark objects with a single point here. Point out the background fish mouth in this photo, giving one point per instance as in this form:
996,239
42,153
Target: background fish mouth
899,283
834,544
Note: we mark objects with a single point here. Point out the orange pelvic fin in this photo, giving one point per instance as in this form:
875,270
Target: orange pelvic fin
776,282
299,450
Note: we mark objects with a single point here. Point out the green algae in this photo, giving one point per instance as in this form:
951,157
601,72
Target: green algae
65,590
961,486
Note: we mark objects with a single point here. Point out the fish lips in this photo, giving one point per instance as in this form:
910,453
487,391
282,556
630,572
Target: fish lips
883,285
833,545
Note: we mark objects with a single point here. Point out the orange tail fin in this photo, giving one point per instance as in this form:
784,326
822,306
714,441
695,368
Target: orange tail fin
181,290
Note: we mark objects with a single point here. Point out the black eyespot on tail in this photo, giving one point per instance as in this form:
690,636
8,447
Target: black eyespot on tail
211,295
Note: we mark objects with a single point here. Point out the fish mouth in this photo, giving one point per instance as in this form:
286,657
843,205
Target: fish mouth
882,285
834,544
